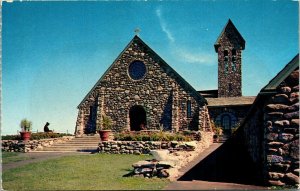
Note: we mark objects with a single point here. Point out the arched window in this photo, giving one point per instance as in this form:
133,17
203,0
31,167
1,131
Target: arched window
226,122
226,55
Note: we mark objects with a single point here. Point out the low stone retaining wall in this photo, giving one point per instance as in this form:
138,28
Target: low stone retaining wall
144,147
28,146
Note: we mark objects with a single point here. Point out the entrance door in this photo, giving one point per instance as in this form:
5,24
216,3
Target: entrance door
137,115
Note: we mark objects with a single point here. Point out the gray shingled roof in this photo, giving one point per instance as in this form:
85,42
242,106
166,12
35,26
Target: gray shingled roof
230,101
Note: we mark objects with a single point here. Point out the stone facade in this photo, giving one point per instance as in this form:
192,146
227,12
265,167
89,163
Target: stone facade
235,115
161,96
229,47
271,130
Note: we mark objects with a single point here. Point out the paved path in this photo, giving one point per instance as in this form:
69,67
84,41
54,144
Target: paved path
205,185
37,157
190,179
200,157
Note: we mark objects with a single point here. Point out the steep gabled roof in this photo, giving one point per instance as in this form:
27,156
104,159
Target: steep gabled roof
184,84
230,27
282,75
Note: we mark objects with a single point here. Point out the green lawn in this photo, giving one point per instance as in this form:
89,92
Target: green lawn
84,172
8,157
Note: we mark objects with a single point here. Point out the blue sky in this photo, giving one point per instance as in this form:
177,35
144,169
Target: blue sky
54,52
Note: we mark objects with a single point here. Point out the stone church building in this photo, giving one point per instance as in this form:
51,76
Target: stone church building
141,91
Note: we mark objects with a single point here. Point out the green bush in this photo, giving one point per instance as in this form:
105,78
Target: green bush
157,136
42,135
11,137
36,136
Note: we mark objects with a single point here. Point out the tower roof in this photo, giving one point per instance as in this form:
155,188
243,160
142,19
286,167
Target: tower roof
231,32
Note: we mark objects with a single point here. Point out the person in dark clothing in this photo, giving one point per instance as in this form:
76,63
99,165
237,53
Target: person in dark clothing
46,128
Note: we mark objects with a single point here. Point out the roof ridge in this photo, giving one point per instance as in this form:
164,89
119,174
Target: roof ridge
229,24
176,77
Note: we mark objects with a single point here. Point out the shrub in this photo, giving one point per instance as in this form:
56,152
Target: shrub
42,135
157,136
216,129
36,136
11,137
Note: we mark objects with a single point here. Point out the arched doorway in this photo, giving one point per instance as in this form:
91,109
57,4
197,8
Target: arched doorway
137,116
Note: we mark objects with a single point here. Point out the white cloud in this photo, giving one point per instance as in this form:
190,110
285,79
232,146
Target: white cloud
183,54
195,58
164,26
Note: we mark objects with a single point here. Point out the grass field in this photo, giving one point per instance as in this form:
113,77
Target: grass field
83,172
8,157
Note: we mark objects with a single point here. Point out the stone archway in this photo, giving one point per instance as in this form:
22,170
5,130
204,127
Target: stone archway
138,118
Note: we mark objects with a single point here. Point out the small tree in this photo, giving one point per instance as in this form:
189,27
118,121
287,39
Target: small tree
26,125
216,129
106,123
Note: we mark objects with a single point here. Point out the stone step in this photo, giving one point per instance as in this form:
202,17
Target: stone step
83,142
78,144
73,146
68,149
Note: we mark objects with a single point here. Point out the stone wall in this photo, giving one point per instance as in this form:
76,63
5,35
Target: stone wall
281,133
271,132
162,93
144,147
33,145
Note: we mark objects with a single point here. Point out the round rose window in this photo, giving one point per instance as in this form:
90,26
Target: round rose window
137,70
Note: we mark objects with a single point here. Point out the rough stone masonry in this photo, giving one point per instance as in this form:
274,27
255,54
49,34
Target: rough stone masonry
281,131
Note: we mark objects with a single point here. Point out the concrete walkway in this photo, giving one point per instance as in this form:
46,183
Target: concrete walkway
190,179
37,157
205,185
199,158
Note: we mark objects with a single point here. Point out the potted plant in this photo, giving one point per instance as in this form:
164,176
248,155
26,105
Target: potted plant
105,128
218,132
26,126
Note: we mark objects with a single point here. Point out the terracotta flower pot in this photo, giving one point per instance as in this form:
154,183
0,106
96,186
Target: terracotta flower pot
25,136
104,135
